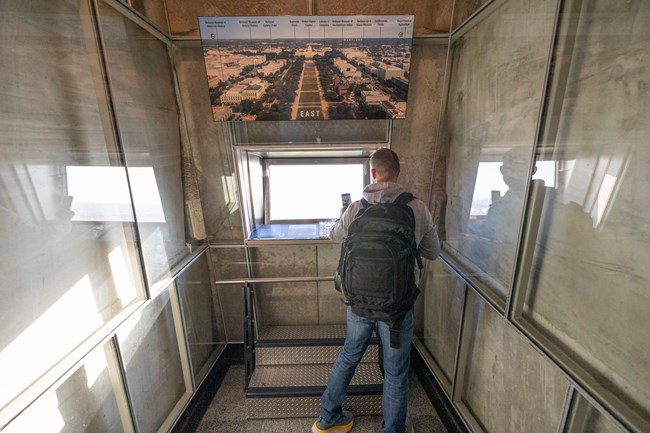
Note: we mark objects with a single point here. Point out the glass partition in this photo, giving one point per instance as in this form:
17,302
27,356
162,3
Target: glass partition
148,122
443,295
463,9
497,81
202,314
503,384
210,145
585,418
155,363
155,10
314,132
69,260
430,16
585,284
90,399
183,14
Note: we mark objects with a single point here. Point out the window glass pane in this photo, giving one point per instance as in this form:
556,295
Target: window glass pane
85,401
311,191
587,293
492,113
63,275
502,378
443,293
585,418
214,161
147,114
152,360
313,132
154,10
201,315
430,16
229,263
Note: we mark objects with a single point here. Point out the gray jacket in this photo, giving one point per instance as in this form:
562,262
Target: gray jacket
426,234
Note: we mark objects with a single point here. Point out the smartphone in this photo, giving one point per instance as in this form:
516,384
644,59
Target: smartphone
345,199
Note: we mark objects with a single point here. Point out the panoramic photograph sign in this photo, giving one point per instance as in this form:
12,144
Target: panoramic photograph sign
307,67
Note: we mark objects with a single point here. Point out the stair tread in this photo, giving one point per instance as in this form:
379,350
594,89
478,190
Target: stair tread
297,355
314,375
302,332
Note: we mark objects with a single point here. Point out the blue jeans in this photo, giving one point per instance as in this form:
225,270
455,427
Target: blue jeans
396,368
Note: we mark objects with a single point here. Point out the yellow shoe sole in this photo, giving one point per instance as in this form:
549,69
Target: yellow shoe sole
336,429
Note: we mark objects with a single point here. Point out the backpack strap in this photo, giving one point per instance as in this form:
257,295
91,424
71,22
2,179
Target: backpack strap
404,198
394,334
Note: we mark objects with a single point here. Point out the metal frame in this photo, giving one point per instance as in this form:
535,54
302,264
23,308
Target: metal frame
251,323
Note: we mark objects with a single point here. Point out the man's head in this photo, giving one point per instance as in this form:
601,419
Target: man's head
384,166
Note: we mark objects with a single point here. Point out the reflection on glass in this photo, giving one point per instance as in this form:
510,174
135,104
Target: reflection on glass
492,110
314,132
147,114
102,194
443,293
585,418
587,293
502,379
199,316
62,277
85,401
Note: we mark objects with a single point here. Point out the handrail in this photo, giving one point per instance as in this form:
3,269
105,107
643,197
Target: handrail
276,280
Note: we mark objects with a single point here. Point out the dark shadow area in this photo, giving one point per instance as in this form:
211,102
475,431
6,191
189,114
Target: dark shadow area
196,408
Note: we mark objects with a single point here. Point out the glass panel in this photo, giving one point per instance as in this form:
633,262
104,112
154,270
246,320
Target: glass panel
431,16
442,293
503,379
492,111
154,10
463,9
147,114
62,277
312,132
587,292
84,401
209,142
183,14
201,313
152,360
585,418
229,263
330,308
277,301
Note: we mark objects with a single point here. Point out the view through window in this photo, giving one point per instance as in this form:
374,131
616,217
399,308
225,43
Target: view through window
311,190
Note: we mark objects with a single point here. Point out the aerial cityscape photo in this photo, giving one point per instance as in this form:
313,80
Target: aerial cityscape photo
307,67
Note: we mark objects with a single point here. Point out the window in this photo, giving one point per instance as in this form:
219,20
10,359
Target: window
309,190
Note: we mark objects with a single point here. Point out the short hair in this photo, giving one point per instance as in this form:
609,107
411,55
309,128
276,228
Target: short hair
386,162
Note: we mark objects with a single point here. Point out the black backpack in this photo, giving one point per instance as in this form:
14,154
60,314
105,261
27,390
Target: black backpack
376,271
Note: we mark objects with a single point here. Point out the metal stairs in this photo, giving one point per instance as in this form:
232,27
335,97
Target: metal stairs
287,368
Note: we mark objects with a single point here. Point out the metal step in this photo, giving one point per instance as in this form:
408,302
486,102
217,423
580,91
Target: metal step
285,391
292,365
293,355
297,335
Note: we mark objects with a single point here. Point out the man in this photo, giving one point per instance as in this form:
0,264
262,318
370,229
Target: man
384,171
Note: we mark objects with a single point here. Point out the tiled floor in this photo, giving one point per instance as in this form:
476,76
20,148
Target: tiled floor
227,413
